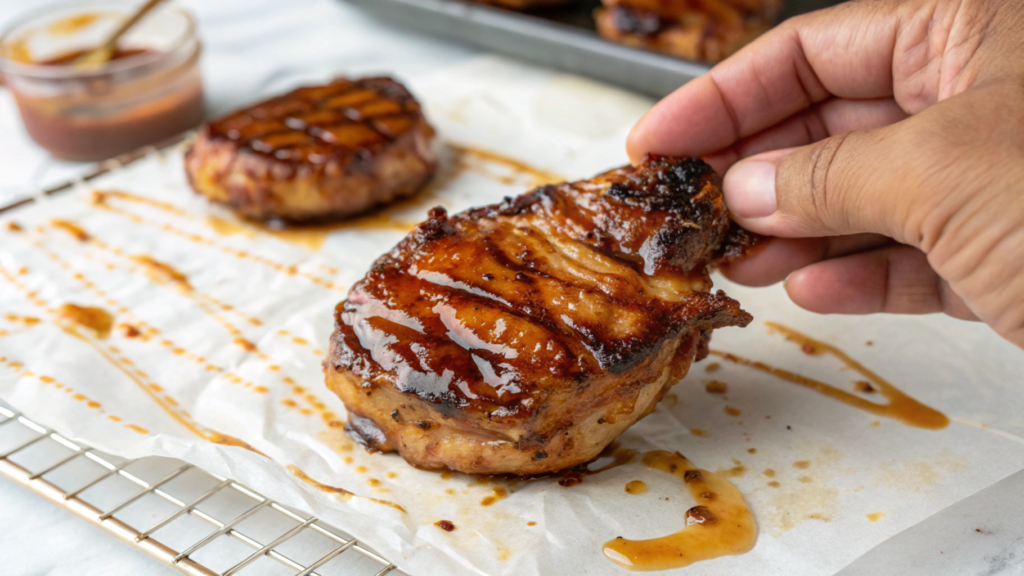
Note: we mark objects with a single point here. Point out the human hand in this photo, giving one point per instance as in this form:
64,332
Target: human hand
882,143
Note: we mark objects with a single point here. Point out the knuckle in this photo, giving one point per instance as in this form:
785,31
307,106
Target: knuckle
825,190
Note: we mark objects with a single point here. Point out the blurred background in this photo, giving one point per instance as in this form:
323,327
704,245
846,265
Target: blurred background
250,49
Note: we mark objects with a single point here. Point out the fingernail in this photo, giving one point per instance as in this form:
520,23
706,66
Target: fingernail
749,189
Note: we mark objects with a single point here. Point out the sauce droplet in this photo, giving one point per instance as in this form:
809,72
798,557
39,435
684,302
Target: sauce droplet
445,525
499,493
721,525
636,487
716,387
97,320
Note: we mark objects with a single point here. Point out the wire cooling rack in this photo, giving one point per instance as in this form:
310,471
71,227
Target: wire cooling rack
166,507
183,516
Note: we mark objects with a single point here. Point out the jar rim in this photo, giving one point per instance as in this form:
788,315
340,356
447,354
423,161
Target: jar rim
134,62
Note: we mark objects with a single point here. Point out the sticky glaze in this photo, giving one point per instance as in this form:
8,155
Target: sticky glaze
344,494
721,523
498,311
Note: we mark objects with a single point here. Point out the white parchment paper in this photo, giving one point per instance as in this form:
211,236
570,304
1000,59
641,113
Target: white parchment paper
866,478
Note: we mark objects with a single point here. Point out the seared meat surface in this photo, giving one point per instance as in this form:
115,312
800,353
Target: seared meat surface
704,30
523,337
316,153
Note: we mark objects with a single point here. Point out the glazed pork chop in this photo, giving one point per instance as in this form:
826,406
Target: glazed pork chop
704,30
523,337
316,153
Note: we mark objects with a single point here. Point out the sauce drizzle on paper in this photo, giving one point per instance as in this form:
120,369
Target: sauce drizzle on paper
721,524
900,406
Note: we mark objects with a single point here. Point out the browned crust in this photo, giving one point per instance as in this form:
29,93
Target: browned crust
569,362
707,31
316,153
611,404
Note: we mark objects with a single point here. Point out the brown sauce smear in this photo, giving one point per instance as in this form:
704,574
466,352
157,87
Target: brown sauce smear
100,322
899,407
77,232
101,200
138,328
97,320
162,273
720,525
310,236
345,495
466,154
218,438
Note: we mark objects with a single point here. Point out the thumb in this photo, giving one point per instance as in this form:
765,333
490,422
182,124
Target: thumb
860,181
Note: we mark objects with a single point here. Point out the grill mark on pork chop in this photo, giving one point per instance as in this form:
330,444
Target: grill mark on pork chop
533,319
289,117
316,153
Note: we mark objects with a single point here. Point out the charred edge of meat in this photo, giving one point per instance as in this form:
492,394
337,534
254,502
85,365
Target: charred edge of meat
738,243
366,433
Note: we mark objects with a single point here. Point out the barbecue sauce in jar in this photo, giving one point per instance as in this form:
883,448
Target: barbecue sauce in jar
150,89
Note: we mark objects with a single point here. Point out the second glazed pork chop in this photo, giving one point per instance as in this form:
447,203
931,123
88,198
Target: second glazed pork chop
316,153
523,337
706,30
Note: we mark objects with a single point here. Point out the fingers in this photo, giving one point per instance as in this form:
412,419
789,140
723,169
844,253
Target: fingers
783,256
857,182
845,51
896,279
831,117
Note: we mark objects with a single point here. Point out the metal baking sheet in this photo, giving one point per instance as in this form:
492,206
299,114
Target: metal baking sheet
561,38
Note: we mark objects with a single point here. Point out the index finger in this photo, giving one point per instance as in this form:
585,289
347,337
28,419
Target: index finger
844,51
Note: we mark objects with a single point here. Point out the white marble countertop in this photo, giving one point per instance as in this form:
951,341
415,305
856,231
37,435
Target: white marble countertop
253,48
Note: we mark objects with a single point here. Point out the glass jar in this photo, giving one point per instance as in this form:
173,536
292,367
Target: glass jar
149,91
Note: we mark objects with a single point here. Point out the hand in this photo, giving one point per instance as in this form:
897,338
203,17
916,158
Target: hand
882,143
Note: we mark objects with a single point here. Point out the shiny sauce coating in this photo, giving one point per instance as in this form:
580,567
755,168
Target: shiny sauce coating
721,523
486,309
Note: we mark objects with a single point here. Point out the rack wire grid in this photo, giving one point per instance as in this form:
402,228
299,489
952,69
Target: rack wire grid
176,502
173,502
